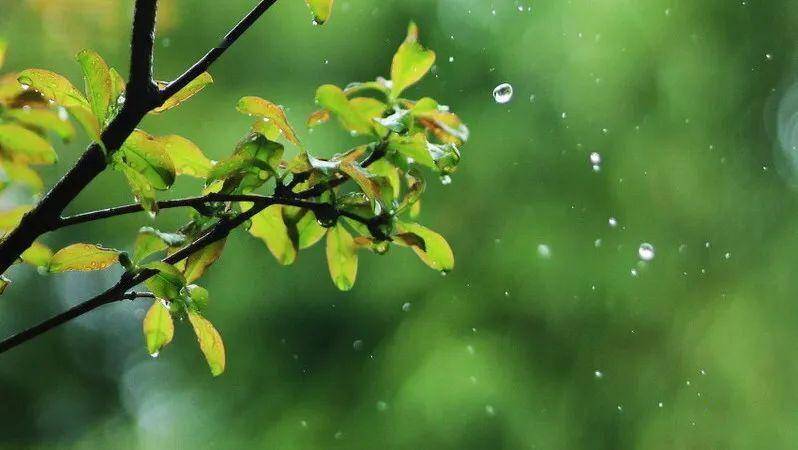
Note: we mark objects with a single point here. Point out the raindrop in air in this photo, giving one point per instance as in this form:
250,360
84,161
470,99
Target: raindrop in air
357,345
406,306
544,251
503,93
613,222
598,374
646,251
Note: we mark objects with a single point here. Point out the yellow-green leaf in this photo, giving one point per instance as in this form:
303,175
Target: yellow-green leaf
186,156
118,86
318,117
159,329
269,226
43,119
22,174
341,257
53,87
23,145
150,241
99,85
415,147
410,63
309,231
332,98
10,218
321,10
210,342
270,112
167,283
147,155
87,120
192,88
198,263
83,257
437,253
3,47
37,255
141,188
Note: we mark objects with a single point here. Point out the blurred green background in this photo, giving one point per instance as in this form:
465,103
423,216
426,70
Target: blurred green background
550,333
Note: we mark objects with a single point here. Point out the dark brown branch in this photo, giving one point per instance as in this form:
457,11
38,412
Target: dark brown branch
141,48
206,61
43,217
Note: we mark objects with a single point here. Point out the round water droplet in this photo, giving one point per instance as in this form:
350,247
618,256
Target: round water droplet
503,93
646,251
598,374
406,306
613,222
544,251
595,158
490,410
382,406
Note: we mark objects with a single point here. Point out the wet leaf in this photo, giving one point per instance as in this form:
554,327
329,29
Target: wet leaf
159,329
97,78
141,188
414,147
167,283
318,117
3,48
341,257
151,241
53,87
186,93
270,112
4,283
22,145
83,258
269,226
188,159
332,98
321,10
198,263
44,120
436,252
410,63
210,342
146,155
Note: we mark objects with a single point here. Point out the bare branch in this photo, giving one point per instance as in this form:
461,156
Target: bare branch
141,49
206,61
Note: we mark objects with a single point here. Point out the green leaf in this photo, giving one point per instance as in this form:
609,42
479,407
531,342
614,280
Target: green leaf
341,257
309,231
438,120
141,188
53,87
188,159
269,112
210,342
44,120
167,283
83,258
198,263
118,86
414,147
321,10
22,145
150,241
333,99
255,160
159,329
10,218
269,226
37,255
436,252
192,88
410,63
99,85
199,296
147,156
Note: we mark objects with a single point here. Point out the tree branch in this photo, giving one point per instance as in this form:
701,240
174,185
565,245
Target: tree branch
138,103
141,49
206,61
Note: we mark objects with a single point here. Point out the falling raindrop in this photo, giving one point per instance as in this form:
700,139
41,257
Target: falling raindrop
544,251
598,374
646,251
382,406
490,410
406,306
613,222
595,158
503,93
357,345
